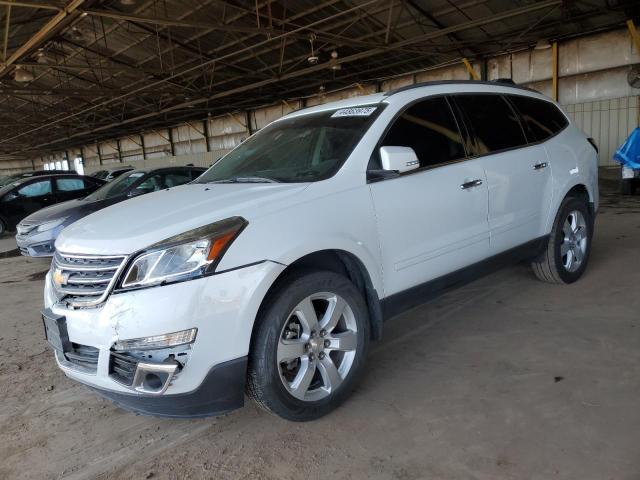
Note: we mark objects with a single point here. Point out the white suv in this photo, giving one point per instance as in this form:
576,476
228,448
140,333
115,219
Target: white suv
272,272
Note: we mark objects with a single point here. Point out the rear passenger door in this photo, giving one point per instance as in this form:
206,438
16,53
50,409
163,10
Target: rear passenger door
518,173
433,220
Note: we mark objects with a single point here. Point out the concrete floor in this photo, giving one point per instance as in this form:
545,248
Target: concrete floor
506,378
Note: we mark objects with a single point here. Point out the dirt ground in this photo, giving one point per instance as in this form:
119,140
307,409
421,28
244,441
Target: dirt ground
506,378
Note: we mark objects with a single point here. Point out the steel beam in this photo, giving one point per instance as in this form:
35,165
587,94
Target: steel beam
635,36
302,72
43,6
470,70
49,28
7,24
167,22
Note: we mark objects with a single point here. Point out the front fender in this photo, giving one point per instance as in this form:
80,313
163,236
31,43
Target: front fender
343,220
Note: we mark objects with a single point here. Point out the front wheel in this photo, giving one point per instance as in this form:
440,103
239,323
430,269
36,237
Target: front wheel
565,257
309,345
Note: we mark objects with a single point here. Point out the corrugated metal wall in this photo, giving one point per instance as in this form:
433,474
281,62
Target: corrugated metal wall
608,122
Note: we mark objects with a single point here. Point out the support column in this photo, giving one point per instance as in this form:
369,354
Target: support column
173,147
554,71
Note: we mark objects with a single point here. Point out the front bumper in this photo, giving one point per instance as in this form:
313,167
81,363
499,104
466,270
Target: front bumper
38,244
221,391
222,307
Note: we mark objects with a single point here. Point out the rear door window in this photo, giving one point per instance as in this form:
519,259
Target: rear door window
540,118
493,124
70,184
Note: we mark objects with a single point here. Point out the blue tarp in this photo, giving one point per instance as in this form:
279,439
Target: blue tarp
629,153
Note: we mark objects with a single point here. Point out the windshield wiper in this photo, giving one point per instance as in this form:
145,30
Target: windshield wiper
246,180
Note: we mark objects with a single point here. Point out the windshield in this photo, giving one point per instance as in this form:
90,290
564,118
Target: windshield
307,148
115,188
10,179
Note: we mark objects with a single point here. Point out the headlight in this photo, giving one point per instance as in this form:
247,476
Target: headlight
43,227
192,254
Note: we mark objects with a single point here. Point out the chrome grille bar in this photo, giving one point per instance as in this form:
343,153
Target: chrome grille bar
87,280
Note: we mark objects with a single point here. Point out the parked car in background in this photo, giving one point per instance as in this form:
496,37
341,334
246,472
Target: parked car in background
37,233
275,269
25,196
17,176
111,174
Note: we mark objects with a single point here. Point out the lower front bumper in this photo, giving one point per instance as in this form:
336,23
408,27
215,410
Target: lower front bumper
221,391
31,248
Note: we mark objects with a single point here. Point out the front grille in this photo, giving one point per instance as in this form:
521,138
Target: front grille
84,357
84,280
122,368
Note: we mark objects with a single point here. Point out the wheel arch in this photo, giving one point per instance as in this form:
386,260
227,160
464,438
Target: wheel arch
578,189
344,263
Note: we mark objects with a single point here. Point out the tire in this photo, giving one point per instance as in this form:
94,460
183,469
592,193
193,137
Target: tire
289,351
3,227
628,186
566,254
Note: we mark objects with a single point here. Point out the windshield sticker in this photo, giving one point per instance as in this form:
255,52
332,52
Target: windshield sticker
354,112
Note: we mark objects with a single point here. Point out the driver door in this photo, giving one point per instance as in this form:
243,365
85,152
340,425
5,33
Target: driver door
433,220
29,198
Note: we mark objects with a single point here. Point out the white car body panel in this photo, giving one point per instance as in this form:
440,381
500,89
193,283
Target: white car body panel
422,239
519,196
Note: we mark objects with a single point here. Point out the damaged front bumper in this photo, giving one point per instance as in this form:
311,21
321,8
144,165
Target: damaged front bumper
204,376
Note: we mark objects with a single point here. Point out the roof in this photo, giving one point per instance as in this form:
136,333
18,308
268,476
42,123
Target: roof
100,69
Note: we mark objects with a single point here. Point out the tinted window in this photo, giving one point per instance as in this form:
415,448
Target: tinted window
430,129
115,188
173,179
70,184
36,189
151,184
492,122
541,119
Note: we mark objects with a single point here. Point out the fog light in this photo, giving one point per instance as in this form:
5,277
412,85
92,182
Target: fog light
153,378
174,339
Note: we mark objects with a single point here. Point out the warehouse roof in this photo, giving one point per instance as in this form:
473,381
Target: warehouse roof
77,71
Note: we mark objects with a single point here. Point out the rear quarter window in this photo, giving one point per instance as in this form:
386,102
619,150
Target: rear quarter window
540,118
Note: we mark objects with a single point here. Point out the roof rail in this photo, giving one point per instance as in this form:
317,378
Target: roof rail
504,82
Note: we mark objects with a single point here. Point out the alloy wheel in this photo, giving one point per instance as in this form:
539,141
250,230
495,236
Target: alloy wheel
573,247
317,346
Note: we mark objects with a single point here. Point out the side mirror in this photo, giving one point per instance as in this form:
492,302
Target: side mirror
10,196
399,159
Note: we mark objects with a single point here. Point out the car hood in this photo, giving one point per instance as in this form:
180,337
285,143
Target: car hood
137,223
72,210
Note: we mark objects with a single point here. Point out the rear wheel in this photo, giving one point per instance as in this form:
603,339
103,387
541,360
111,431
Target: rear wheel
3,227
309,345
565,257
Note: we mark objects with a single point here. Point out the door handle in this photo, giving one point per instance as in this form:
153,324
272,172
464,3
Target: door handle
471,184
540,166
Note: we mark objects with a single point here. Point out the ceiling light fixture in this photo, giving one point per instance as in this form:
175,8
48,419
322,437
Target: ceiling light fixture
542,44
313,58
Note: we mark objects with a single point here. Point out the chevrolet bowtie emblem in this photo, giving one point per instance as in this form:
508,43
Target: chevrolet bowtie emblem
59,279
